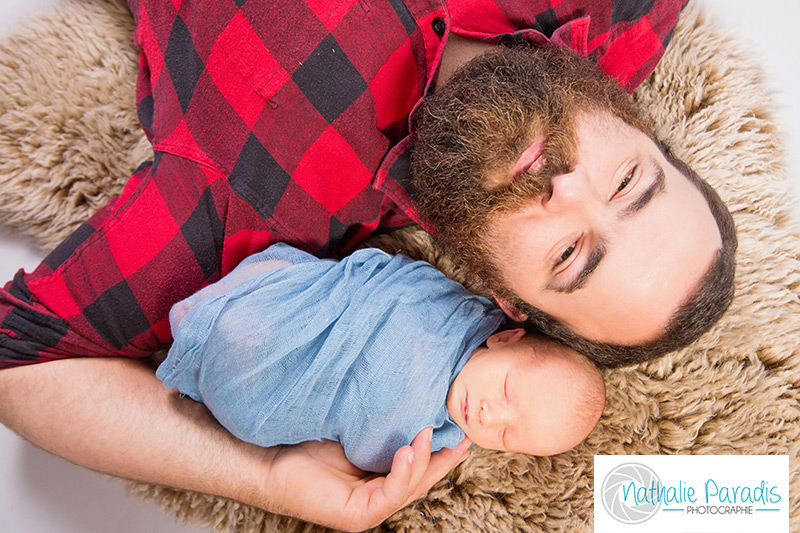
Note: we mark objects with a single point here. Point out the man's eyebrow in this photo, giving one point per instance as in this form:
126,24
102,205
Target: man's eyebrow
597,255
651,192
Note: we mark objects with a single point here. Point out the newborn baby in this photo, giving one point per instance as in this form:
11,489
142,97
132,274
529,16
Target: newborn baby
368,351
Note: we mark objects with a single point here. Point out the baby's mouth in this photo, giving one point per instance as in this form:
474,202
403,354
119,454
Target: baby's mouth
466,406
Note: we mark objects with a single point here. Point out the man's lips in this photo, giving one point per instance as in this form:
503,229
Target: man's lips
531,160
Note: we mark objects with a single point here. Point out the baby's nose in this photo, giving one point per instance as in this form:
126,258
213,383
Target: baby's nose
489,416
494,415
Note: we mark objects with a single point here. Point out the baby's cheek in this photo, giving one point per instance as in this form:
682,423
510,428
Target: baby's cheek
481,439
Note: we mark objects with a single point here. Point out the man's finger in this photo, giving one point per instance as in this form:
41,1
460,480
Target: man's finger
395,491
408,468
421,445
440,464
396,485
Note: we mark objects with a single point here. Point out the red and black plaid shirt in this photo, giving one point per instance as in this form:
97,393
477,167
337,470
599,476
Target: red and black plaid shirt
278,120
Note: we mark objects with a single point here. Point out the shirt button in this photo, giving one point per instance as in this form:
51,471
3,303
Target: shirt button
439,26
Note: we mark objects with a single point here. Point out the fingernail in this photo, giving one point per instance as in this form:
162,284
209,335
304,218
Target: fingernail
429,434
411,458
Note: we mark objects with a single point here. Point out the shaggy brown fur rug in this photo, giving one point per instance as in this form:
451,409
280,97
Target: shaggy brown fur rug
69,138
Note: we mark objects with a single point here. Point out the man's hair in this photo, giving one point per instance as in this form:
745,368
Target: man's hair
478,124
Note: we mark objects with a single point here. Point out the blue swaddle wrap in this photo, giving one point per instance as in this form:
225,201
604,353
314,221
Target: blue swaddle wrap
362,351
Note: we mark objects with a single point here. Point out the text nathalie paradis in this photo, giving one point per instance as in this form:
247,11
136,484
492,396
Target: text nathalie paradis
712,493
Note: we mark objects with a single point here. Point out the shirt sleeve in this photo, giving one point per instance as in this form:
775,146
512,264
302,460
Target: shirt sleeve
177,226
108,288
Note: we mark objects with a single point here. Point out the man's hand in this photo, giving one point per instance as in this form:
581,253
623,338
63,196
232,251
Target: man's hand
322,486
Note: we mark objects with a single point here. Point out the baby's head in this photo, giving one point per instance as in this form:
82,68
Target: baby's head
527,394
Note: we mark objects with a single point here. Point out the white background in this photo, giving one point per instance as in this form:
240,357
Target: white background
42,493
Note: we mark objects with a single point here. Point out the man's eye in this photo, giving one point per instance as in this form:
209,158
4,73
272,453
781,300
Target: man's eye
624,183
566,253
505,388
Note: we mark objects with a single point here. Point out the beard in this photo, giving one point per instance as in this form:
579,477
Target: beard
471,132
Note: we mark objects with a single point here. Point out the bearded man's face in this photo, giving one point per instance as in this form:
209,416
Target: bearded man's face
540,176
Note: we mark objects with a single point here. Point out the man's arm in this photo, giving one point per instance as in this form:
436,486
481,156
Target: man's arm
113,415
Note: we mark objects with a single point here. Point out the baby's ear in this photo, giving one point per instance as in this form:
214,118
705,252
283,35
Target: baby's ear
505,337
509,309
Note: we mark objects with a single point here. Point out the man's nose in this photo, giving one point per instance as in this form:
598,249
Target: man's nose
567,190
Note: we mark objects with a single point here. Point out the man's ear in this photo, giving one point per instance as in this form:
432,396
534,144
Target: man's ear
509,309
505,337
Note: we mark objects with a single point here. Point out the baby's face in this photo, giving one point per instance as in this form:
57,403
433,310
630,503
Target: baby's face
521,394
